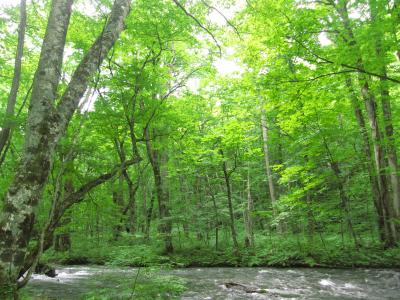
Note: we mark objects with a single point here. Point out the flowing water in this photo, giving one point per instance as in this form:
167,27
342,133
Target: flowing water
209,283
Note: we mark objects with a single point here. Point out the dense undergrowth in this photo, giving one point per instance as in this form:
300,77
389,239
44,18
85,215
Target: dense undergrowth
272,251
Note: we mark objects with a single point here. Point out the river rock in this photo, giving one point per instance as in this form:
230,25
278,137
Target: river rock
244,288
46,269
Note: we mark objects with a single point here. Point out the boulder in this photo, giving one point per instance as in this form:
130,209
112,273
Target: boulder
244,288
46,269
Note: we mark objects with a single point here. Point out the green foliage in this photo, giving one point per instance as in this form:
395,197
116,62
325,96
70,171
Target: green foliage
300,64
137,255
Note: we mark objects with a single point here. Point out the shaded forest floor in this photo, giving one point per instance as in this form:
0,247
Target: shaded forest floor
275,251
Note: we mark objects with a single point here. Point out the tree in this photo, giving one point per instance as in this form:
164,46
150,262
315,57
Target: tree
45,126
12,97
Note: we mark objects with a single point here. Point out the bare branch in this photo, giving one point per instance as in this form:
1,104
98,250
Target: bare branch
225,18
199,24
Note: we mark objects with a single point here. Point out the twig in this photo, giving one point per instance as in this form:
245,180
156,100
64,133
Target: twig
199,24
134,283
225,18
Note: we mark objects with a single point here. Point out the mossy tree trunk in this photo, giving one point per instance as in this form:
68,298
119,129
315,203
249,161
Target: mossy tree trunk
47,122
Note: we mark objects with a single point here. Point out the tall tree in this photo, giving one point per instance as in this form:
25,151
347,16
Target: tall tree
47,123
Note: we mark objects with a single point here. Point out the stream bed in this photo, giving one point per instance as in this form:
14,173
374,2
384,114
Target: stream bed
209,283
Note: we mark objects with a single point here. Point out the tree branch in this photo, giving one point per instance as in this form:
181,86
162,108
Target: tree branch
222,15
199,24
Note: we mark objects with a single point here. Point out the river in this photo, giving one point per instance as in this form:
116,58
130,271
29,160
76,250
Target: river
209,283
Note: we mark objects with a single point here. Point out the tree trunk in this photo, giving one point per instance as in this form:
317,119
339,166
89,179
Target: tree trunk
149,216
45,126
12,97
184,200
395,12
62,242
216,214
249,215
380,162
69,199
345,201
369,160
199,207
26,189
379,150
130,209
230,205
265,136
162,195
387,111
118,200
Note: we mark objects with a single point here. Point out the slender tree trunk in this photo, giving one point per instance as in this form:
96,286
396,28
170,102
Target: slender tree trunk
392,152
12,97
199,206
380,162
185,224
345,201
118,200
369,160
216,221
396,16
62,241
310,219
265,136
130,209
216,214
249,215
387,111
162,195
378,146
230,205
149,216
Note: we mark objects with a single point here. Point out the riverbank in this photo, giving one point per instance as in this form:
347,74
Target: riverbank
278,255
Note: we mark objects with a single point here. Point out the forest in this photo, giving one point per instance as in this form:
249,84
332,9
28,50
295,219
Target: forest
159,135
